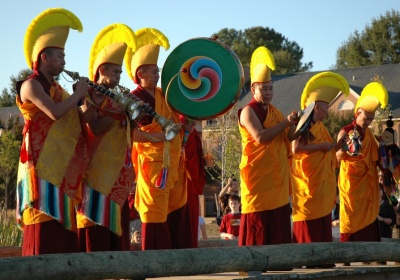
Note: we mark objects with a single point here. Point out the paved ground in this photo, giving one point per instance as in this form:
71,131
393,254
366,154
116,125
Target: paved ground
356,270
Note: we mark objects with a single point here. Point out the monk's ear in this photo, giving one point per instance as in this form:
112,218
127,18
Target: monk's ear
44,57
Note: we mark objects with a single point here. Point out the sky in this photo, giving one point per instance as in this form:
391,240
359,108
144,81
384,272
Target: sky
319,27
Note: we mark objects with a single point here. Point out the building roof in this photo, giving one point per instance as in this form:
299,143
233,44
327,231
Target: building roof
288,87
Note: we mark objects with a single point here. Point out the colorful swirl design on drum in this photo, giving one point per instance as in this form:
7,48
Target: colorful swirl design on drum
201,79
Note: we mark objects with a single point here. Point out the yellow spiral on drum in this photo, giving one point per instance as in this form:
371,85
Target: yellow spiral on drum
201,78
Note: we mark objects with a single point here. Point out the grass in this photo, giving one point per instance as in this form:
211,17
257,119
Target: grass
10,235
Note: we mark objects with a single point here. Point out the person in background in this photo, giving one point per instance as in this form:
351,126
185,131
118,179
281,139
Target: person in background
54,154
230,224
202,230
358,175
387,214
103,215
135,223
336,209
136,237
265,177
231,188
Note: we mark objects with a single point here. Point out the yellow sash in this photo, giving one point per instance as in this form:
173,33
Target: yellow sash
59,146
148,159
111,152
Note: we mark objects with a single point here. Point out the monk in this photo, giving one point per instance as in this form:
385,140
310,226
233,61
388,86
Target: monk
314,163
264,168
358,176
54,154
103,214
161,191
196,180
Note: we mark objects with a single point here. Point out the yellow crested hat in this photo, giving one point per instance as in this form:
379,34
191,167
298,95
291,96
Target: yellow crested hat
49,29
261,64
324,86
371,96
149,41
110,46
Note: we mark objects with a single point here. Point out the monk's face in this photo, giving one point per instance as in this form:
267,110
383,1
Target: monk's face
320,111
110,74
149,75
53,60
364,118
263,92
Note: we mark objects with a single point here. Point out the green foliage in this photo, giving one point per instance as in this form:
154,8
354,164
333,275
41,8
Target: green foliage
9,151
287,54
336,121
226,144
10,235
377,44
381,115
7,98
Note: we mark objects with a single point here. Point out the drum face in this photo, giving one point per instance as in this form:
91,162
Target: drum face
202,78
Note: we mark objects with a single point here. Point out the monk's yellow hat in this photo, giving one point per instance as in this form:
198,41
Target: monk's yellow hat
261,64
145,55
49,29
149,42
324,86
110,46
373,95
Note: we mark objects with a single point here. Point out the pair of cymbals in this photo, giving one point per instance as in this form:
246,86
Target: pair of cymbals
306,117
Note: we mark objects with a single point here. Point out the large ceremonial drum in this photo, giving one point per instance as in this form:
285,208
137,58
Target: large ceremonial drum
202,78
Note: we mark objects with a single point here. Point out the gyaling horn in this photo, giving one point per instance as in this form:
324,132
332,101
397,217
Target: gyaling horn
134,106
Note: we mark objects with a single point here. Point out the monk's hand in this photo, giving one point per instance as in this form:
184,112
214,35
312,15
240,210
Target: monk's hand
293,118
98,98
344,142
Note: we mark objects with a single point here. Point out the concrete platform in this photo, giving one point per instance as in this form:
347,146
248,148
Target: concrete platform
356,271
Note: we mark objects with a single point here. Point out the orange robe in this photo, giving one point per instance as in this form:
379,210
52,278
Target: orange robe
153,203
314,179
264,168
358,185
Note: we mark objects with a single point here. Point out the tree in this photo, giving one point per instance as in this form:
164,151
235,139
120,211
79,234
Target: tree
287,54
9,151
377,44
336,121
226,143
381,115
7,98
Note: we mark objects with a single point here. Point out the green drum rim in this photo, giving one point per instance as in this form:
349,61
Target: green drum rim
230,87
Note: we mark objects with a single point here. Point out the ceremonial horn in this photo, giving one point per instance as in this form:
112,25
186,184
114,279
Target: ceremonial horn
134,106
